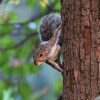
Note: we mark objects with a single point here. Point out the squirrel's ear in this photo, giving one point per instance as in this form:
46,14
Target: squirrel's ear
42,47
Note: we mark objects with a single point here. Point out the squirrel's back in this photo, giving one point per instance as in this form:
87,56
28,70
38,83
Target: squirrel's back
48,26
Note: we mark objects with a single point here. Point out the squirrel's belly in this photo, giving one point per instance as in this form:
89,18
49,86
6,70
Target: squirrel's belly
53,50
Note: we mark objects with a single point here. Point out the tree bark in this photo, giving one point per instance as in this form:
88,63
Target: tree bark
81,49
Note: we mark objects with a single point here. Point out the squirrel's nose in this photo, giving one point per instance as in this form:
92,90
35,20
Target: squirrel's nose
37,63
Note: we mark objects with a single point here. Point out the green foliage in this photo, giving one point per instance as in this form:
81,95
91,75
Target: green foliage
8,17
12,17
7,41
7,94
31,3
57,6
5,30
58,86
17,40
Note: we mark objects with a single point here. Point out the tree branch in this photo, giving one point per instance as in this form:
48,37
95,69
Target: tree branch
19,44
39,15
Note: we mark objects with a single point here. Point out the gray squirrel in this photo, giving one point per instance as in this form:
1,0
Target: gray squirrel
51,37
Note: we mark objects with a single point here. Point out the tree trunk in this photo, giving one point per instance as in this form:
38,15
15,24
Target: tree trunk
81,49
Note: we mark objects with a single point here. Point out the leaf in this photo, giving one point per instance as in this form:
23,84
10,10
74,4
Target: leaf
13,17
7,94
24,90
7,41
2,85
5,30
31,3
31,68
58,5
58,87
4,59
43,3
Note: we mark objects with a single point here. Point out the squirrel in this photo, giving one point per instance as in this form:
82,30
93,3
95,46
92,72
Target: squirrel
51,37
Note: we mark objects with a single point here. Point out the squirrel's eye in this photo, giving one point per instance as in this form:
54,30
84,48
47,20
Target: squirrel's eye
40,54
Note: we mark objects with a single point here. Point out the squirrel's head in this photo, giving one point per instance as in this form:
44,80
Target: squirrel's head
40,55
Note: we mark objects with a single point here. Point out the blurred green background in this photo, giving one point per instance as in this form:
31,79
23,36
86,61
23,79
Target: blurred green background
20,79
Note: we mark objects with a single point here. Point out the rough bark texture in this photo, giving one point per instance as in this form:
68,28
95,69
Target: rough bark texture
81,49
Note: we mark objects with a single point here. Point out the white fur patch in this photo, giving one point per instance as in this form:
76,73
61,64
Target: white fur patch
53,50
39,63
